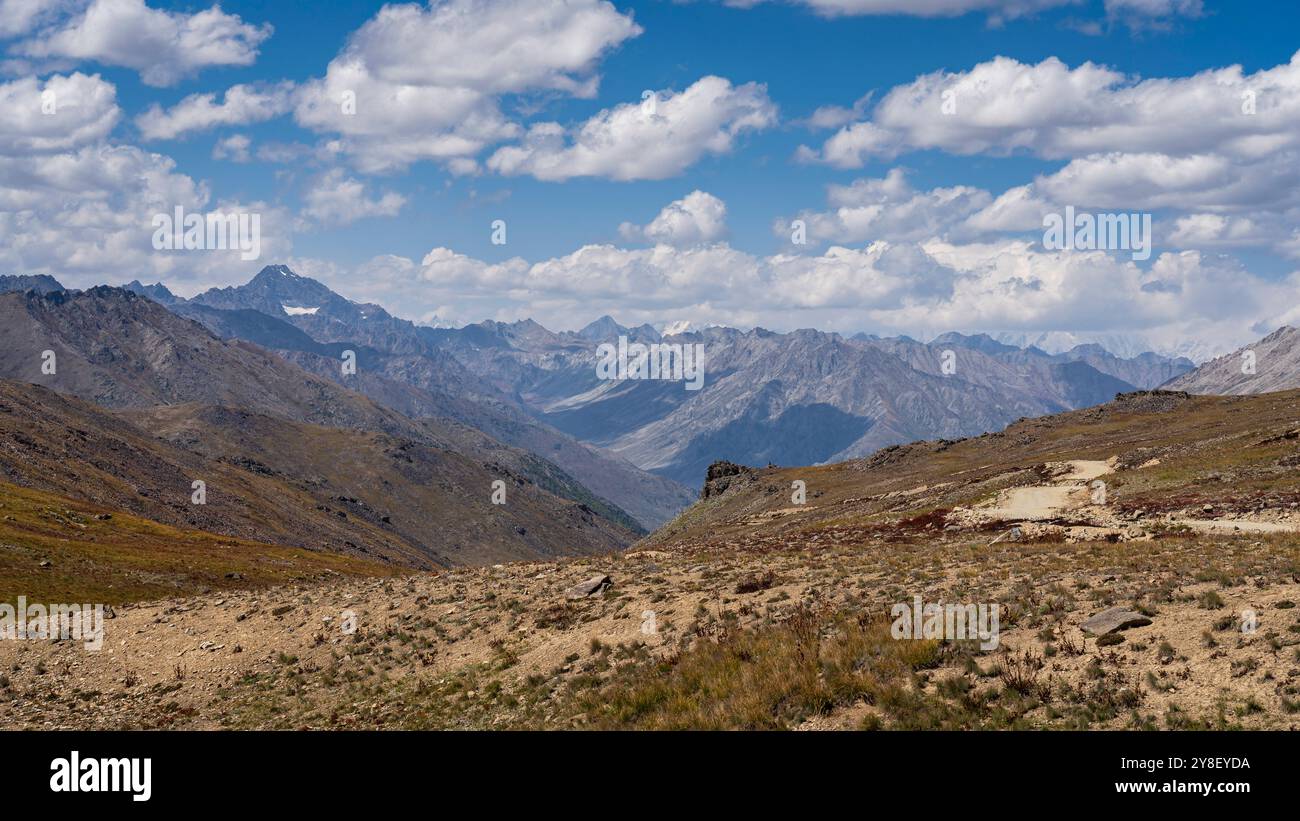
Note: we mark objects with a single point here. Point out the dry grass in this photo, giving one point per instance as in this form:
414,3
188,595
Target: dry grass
58,550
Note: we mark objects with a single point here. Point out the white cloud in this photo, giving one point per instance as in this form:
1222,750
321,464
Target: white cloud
242,105
233,148
337,200
423,83
1052,111
163,46
1135,13
996,9
18,17
58,114
85,216
891,287
1217,142
494,48
1141,14
653,139
888,209
696,218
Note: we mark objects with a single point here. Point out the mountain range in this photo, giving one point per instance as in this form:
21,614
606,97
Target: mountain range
803,397
286,456
790,398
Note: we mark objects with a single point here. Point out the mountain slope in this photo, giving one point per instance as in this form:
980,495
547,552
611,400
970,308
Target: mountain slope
274,481
402,366
1276,360
59,549
124,351
1163,457
804,397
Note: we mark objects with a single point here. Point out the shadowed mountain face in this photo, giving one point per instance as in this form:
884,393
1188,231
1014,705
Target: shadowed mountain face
1271,364
123,351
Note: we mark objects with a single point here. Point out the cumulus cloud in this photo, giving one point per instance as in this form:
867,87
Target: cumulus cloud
695,218
889,209
1050,110
336,200
494,48
163,46
57,114
918,288
655,138
18,17
86,216
241,105
419,83
1220,141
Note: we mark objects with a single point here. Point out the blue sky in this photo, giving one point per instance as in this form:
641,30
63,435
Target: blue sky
365,203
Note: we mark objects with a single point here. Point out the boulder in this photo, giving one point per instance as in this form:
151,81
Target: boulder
590,587
1113,620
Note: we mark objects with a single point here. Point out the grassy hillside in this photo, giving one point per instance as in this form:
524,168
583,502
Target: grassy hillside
55,549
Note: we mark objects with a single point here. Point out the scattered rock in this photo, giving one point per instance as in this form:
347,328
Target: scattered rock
593,586
1012,535
1113,620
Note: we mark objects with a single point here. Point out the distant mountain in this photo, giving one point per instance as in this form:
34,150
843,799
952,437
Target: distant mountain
1123,345
1145,371
120,350
802,397
603,329
39,283
406,367
1271,364
157,292
124,351
798,398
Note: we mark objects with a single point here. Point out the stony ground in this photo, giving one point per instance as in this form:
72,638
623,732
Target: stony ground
505,647
760,609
